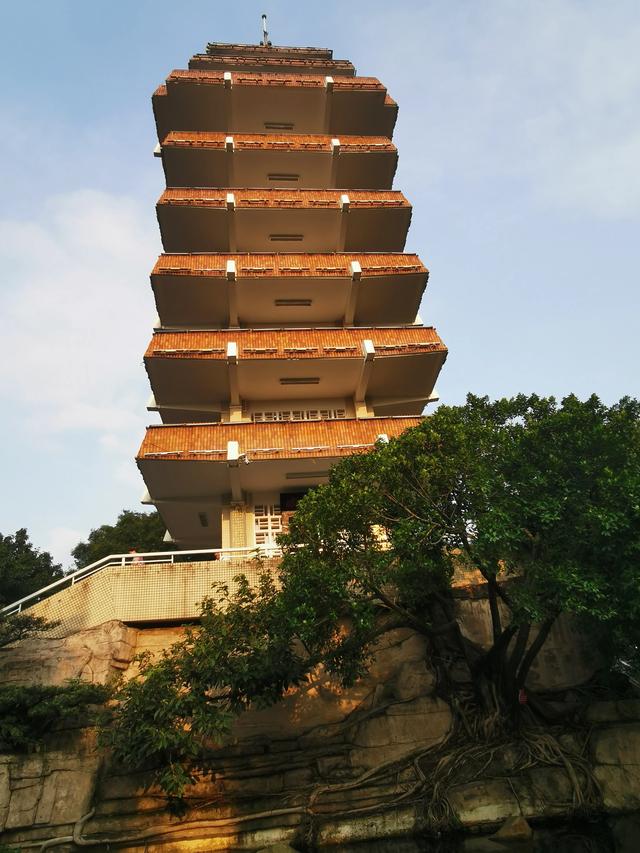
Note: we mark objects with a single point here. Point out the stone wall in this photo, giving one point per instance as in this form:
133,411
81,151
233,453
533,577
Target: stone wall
321,749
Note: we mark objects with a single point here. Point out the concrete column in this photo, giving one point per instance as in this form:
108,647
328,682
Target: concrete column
238,525
354,292
368,355
344,222
232,290
328,101
231,218
229,147
228,101
335,154
232,364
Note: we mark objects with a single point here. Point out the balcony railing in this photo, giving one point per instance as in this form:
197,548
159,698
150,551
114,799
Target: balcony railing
136,560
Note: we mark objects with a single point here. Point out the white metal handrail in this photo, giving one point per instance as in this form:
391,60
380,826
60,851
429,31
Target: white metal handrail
134,560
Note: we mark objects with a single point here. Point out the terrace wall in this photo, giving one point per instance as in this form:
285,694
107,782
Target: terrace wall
278,759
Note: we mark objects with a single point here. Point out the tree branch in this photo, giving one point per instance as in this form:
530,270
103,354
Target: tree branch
496,623
410,620
500,646
519,649
533,650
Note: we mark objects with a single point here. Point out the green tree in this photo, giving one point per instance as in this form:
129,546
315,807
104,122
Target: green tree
28,713
143,531
543,500
23,568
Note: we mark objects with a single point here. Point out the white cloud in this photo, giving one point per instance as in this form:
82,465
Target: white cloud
60,542
77,313
544,94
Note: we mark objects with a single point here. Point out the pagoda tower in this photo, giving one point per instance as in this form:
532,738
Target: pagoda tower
287,333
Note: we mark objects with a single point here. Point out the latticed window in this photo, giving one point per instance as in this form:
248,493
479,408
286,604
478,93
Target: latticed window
299,415
267,523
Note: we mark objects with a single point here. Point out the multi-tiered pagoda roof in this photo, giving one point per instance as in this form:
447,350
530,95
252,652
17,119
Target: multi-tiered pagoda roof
287,334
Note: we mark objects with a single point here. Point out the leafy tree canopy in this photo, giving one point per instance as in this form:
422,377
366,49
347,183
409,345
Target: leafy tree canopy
23,568
143,531
28,713
540,500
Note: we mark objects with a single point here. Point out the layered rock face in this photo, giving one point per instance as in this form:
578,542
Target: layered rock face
324,765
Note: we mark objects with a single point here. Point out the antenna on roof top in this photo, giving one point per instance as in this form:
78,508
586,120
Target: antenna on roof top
265,34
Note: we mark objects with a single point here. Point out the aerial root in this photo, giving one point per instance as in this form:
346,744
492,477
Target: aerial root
425,778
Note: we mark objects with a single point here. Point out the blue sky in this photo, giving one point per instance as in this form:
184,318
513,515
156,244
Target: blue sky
519,139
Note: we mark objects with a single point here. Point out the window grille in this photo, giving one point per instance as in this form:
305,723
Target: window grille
299,415
267,523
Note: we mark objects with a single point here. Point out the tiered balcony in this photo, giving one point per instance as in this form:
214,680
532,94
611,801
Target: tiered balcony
208,159
275,60
191,469
287,289
200,375
209,220
243,102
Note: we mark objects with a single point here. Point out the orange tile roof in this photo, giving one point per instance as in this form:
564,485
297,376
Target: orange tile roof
290,440
287,198
277,141
160,91
285,265
245,78
294,343
201,60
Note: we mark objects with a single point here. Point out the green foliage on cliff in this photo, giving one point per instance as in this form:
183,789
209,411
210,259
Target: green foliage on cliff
28,714
541,499
143,531
240,654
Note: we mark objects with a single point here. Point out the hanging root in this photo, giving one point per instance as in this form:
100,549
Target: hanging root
476,748
528,749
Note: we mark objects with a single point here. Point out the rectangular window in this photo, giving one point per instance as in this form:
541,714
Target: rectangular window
288,303
278,125
283,176
299,415
289,500
267,523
